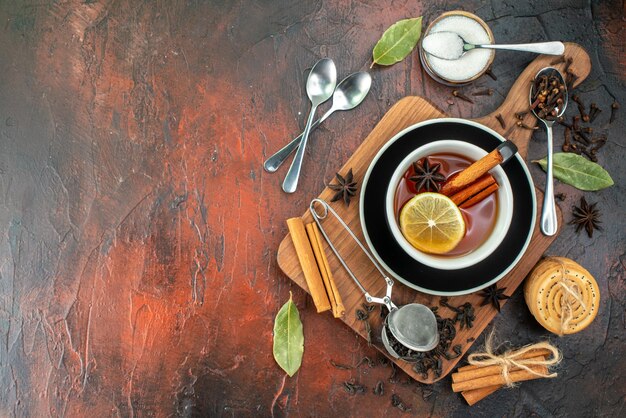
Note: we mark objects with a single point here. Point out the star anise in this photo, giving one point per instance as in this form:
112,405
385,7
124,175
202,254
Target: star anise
345,189
586,216
427,176
493,294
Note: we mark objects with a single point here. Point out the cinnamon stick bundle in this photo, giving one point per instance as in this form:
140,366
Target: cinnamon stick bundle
489,372
309,265
475,192
469,373
334,297
472,173
498,379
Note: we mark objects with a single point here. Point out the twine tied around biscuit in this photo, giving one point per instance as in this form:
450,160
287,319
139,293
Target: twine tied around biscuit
572,295
514,358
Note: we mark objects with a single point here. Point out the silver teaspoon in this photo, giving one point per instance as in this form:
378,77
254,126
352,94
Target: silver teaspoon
451,46
549,223
319,87
348,94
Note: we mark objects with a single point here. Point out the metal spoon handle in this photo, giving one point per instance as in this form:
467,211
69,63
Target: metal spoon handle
291,179
548,212
549,48
272,163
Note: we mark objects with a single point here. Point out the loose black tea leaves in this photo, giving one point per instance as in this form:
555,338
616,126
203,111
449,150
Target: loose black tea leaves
398,403
368,308
362,315
383,360
340,366
394,371
379,389
368,333
365,360
353,388
433,360
464,314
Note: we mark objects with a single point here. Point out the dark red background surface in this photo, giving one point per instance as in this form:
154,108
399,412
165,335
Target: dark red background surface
139,232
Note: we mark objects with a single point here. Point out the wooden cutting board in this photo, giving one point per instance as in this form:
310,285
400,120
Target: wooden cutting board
404,113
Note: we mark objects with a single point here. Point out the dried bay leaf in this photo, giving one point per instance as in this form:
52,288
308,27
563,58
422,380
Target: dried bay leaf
288,338
578,171
397,41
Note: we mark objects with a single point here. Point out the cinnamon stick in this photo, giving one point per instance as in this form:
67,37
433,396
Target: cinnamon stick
480,196
498,379
475,395
472,173
533,353
473,189
309,265
336,302
486,371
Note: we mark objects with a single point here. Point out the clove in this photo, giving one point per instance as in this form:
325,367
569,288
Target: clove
461,96
501,120
590,155
575,120
581,138
570,79
566,139
599,144
561,121
594,110
521,115
569,62
490,73
614,108
559,60
523,125
484,92
581,107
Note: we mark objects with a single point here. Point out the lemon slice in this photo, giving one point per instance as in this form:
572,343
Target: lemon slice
432,223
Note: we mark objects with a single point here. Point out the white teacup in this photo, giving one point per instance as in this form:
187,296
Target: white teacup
504,213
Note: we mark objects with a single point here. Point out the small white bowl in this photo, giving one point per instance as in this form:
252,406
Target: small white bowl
504,214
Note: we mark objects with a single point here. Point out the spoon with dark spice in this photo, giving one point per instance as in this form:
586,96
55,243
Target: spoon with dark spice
548,100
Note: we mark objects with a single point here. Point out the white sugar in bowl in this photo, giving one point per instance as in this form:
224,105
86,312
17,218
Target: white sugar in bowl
473,63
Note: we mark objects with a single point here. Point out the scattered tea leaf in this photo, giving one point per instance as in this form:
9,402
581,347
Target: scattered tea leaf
288,338
577,171
397,41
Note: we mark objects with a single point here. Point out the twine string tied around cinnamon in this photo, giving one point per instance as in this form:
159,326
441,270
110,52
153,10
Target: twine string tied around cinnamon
514,358
572,295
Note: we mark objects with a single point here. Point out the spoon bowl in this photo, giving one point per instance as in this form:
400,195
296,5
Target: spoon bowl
451,46
549,223
350,92
319,87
